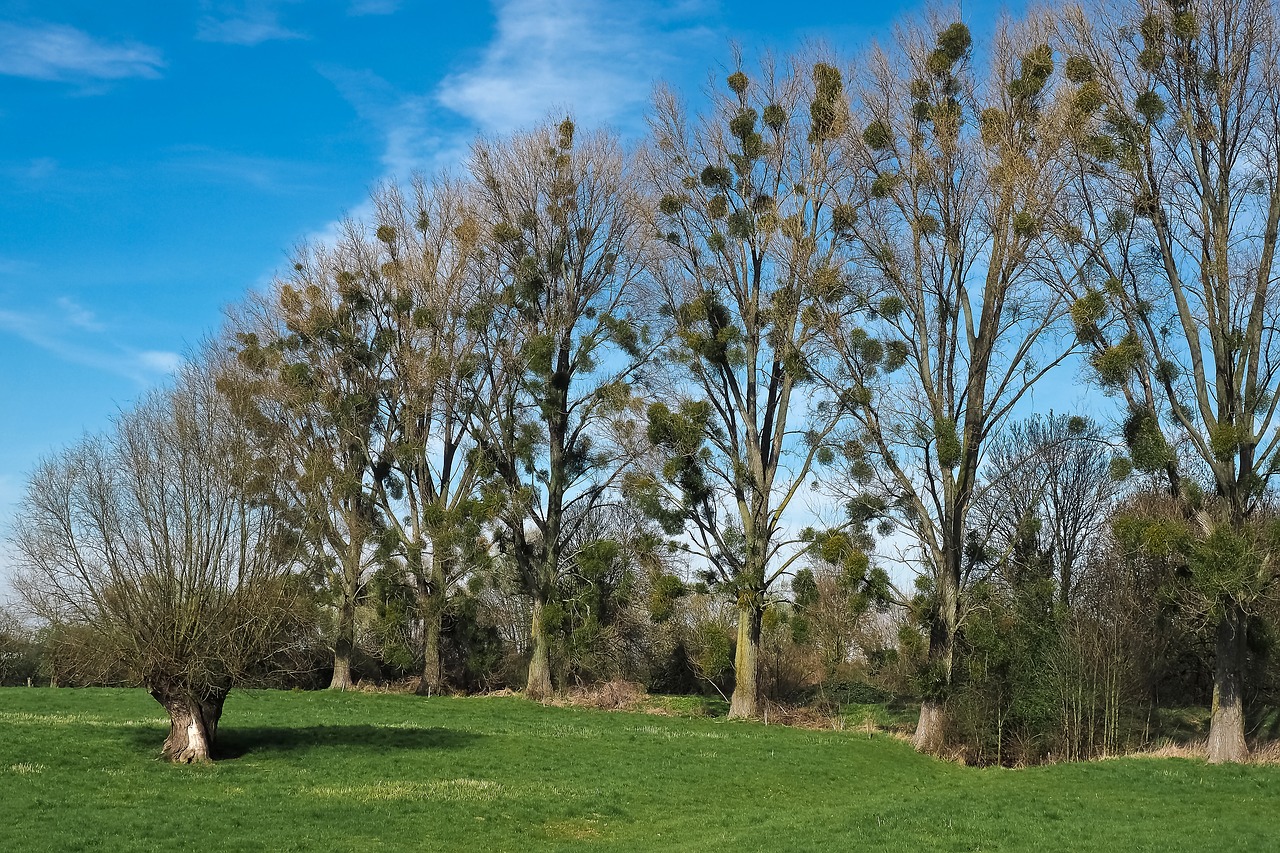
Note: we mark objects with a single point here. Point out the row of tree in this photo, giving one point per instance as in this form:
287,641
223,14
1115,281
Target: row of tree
578,361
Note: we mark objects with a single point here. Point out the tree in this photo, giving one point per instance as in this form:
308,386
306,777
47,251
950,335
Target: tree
751,201
423,266
1180,185
155,544
1052,493
564,223
958,232
314,366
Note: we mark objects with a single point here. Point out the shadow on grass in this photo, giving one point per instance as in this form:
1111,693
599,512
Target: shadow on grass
237,742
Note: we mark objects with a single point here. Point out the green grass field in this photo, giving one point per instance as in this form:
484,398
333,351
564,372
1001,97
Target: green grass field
323,771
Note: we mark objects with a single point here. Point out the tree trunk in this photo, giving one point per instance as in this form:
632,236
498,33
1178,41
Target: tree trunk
193,724
745,702
432,671
538,686
344,644
1226,727
942,641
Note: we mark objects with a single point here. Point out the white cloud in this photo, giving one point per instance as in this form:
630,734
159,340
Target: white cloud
159,361
249,23
62,53
74,334
597,59
411,138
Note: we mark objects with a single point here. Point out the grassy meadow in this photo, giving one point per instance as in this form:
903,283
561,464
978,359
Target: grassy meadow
362,772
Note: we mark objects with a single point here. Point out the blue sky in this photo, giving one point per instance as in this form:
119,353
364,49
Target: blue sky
158,160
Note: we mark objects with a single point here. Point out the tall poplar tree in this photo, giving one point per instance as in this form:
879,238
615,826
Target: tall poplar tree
948,325
1180,187
563,347
751,201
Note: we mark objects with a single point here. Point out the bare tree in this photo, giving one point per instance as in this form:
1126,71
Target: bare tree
752,203
957,240
1180,188
155,542
1052,491
424,267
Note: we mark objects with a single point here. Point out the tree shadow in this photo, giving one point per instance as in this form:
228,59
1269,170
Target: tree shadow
237,742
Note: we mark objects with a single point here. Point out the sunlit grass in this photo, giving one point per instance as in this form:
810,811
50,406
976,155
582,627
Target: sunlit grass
324,771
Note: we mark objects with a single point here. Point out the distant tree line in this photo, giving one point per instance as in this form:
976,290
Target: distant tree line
696,413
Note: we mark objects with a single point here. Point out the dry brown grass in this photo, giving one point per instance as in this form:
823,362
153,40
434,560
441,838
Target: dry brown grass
1260,753
616,695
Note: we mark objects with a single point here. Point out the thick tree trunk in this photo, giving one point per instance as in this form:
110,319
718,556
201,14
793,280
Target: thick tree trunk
931,728
538,686
193,724
431,601
745,702
1226,727
432,671
344,643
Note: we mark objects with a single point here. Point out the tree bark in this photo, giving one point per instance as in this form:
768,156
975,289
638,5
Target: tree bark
193,723
931,728
1226,726
538,685
344,644
745,702
432,671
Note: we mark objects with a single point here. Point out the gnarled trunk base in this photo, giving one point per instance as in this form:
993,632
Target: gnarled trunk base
193,724
929,735
341,673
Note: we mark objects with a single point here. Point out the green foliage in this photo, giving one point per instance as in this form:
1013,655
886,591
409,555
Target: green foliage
775,117
890,307
1150,106
1087,313
947,444
1225,439
1079,69
829,110
743,125
878,136
1148,449
716,177
1116,363
884,185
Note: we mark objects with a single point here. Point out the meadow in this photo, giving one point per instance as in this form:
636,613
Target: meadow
354,771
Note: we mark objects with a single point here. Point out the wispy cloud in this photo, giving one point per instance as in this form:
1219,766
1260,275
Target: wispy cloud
412,137
374,7
247,23
78,316
598,59
58,52
269,174
72,333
